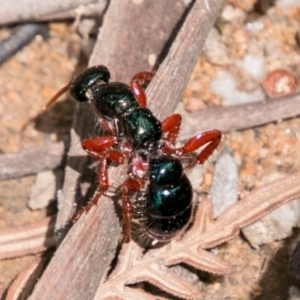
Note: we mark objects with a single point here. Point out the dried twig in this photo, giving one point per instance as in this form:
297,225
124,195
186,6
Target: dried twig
14,165
27,238
22,286
166,89
30,10
21,36
2,289
92,10
242,116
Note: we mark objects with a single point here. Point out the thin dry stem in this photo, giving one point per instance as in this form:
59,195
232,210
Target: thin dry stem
27,238
242,116
14,11
33,161
22,286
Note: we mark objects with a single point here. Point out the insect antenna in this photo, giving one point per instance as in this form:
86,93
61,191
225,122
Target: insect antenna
57,95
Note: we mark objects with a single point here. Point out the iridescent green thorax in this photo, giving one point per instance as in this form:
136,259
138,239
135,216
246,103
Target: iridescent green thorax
141,128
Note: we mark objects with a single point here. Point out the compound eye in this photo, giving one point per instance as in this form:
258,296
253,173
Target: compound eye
88,78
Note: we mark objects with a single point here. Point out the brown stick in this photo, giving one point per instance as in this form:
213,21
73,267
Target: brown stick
22,286
88,10
27,239
128,37
14,11
21,36
14,165
166,89
242,116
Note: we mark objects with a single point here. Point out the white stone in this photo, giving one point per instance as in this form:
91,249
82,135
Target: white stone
254,65
224,85
224,192
275,226
43,190
255,26
287,3
214,49
230,13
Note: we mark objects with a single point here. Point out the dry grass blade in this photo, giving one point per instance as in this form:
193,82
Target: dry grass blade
26,10
24,283
242,116
251,208
135,267
27,239
2,289
14,165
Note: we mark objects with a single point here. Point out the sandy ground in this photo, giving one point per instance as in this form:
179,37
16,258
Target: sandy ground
262,154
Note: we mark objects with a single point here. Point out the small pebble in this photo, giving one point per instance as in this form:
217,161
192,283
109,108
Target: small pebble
215,50
152,59
225,86
275,226
280,83
254,65
287,3
43,190
231,13
224,191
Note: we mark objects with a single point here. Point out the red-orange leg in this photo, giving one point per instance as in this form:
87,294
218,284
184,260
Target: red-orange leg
137,83
87,207
139,93
109,156
97,148
143,78
209,138
130,185
171,125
